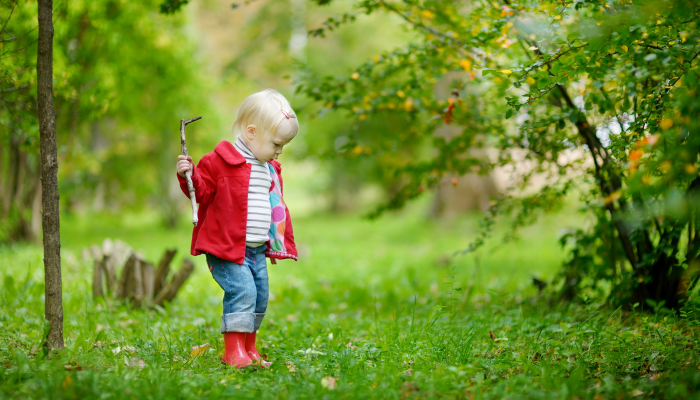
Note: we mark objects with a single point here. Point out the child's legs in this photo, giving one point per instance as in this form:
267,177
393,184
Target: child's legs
261,286
239,293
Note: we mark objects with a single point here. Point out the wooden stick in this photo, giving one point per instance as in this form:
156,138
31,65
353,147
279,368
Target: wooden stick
188,174
163,270
169,292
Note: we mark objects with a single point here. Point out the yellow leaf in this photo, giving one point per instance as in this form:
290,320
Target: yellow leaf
427,14
665,166
625,48
355,75
690,168
199,350
530,80
506,71
328,382
612,197
400,93
466,64
666,124
557,18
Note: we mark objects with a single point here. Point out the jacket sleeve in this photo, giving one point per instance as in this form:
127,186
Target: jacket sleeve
202,180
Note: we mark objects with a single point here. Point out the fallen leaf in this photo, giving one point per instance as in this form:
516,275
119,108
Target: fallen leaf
136,362
290,366
199,350
130,349
637,393
69,367
492,335
328,382
310,351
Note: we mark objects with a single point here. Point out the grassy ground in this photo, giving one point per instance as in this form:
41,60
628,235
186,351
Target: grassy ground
372,310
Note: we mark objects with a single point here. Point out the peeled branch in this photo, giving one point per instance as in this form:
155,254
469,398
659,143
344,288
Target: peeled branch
188,173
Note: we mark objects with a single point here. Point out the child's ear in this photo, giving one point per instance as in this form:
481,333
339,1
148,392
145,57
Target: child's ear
250,132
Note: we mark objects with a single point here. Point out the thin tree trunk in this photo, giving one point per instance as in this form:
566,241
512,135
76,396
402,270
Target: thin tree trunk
49,178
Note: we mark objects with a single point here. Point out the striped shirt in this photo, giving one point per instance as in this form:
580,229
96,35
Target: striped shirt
259,211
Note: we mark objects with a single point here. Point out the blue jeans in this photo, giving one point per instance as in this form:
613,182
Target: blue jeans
245,289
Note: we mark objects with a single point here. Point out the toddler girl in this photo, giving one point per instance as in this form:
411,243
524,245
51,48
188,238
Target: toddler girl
243,218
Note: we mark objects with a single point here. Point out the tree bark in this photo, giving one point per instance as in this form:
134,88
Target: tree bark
169,292
49,178
163,269
147,273
124,280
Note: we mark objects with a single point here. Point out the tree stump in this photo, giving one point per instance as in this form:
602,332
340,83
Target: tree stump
139,282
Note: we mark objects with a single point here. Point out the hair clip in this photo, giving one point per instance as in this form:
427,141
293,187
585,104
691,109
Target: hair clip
285,114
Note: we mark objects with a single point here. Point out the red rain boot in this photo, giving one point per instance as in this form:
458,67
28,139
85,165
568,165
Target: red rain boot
253,352
235,350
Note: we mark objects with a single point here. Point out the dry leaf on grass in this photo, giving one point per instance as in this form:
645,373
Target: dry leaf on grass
125,348
199,350
328,383
137,362
290,366
637,393
69,367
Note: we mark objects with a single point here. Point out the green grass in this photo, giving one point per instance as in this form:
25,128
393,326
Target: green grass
373,305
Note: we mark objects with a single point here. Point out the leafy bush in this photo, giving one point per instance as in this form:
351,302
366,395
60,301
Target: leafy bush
600,96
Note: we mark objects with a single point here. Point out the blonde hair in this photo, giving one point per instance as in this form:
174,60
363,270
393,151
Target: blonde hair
266,110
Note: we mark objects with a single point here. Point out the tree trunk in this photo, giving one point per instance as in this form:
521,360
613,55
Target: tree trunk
49,177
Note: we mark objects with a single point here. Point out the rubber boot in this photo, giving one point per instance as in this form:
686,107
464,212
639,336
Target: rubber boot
235,351
253,352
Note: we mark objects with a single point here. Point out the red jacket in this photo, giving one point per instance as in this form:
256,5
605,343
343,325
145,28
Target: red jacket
220,182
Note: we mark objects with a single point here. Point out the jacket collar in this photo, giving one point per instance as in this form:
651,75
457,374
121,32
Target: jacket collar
229,153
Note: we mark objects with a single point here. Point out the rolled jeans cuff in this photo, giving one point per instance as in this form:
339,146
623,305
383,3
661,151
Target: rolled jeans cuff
258,320
238,322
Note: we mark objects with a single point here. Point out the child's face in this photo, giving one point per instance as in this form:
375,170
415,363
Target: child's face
268,147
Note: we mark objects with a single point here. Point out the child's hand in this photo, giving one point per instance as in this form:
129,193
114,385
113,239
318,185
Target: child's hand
184,164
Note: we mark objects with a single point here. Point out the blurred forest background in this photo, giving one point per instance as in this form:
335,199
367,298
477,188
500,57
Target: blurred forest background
126,74
512,109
